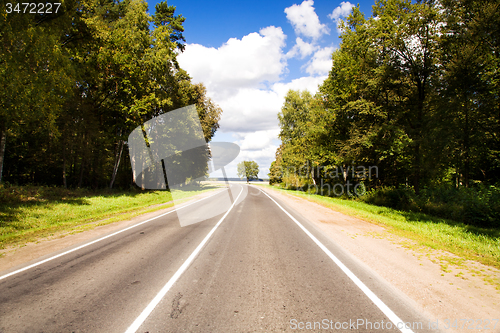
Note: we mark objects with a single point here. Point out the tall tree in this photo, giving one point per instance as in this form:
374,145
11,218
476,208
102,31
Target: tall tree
33,75
248,170
408,34
471,91
73,86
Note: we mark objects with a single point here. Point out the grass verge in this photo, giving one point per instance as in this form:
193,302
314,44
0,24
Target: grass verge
468,242
28,213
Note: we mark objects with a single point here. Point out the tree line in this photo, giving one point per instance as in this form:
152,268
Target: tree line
75,83
414,90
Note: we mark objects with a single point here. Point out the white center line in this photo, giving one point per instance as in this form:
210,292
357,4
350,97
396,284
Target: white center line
374,298
147,311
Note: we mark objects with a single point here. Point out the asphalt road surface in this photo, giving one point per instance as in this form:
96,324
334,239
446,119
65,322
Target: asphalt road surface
257,267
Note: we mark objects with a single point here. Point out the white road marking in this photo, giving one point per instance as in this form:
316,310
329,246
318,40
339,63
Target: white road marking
377,301
147,311
100,239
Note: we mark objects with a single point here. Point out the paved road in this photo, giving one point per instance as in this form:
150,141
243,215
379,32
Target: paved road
261,267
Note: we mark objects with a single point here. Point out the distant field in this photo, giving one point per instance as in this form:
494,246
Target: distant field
468,242
30,212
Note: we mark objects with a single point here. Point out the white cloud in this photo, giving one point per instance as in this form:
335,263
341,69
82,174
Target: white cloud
308,83
250,109
305,21
251,117
301,48
256,58
245,77
321,62
342,10
263,157
257,140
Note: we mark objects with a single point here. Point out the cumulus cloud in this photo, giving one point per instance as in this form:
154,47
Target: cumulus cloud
245,77
250,109
308,83
263,157
301,49
305,21
239,63
251,117
254,110
257,140
234,74
342,10
321,62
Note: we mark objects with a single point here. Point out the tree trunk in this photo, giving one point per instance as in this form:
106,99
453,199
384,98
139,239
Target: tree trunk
65,184
117,163
416,170
3,140
466,142
64,168
81,173
418,158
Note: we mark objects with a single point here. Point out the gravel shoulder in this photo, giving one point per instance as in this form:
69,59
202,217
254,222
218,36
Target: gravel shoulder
443,291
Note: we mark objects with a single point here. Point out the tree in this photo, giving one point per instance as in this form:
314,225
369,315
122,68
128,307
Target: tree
407,35
74,84
34,77
276,170
471,89
248,170
299,124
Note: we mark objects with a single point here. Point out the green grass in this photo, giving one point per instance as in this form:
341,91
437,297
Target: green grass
30,212
468,242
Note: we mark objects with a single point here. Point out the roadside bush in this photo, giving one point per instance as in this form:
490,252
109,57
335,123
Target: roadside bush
400,199
30,194
478,206
360,190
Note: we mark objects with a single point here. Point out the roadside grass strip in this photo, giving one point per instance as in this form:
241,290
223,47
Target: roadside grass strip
25,219
469,242
38,263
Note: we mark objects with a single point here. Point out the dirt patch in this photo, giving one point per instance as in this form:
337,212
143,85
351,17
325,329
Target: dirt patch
445,286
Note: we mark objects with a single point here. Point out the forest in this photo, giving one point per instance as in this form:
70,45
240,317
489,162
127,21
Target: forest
76,82
414,91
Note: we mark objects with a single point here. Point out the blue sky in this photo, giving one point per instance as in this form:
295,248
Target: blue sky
250,53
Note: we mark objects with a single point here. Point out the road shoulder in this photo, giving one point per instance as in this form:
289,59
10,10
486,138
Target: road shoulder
440,290
21,254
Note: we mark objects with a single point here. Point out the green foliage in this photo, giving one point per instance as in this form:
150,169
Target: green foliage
275,174
413,90
248,170
477,206
301,122
75,84
390,197
360,190
29,212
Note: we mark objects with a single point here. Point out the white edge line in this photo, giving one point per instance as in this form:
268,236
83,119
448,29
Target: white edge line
100,239
147,311
377,301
